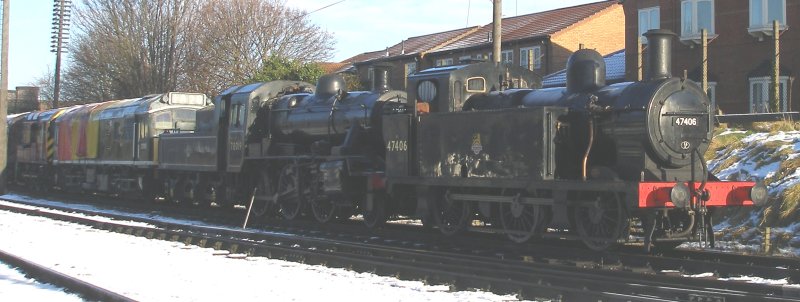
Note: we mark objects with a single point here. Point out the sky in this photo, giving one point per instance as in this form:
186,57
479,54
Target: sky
358,25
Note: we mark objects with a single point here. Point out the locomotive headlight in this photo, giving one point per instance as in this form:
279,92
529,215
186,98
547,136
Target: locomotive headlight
680,195
758,194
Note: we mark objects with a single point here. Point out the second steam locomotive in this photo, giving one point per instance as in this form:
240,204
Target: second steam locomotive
467,146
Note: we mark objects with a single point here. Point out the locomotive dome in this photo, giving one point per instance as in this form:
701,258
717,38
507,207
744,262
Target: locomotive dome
329,85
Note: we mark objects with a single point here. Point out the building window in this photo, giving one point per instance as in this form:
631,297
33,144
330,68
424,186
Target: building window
760,88
528,54
411,68
696,15
507,56
649,18
444,62
763,12
465,59
712,95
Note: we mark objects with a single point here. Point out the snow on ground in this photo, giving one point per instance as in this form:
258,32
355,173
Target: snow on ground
759,158
14,286
153,270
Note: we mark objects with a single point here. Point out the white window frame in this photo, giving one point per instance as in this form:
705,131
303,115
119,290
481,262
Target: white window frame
762,105
507,56
536,52
712,95
765,25
411,68
648,13
693,32
444,62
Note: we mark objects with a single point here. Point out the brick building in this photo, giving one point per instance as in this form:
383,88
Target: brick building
542,42
740,51
25,98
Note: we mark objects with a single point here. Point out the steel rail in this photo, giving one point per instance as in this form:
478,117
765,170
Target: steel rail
46,275
530,279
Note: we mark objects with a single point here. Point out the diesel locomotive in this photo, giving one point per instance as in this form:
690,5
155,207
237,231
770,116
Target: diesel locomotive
465,147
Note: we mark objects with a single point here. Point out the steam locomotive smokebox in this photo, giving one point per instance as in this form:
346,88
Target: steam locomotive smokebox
515,143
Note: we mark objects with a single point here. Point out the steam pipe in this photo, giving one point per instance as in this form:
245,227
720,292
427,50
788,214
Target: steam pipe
588,148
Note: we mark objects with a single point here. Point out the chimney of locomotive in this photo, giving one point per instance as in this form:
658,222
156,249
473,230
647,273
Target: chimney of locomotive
659,54
380,78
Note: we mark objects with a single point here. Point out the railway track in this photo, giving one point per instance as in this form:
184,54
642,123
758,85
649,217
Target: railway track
531,272
85,289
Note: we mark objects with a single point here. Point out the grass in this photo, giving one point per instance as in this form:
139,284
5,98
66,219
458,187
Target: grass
771,127
790,204
784,126
729,161
772,153
786,168
730,141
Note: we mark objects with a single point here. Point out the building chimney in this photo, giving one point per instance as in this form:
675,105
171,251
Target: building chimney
659,54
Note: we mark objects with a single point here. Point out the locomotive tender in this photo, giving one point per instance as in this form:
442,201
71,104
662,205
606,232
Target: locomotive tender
466,146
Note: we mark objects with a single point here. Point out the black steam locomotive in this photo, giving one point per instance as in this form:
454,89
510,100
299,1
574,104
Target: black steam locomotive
609,164
466,146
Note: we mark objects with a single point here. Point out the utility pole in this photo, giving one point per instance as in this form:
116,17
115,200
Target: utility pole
775,94
497,28
4,98
61,15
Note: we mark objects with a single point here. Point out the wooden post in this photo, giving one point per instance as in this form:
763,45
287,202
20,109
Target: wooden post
639,55
704,80
497,29
767,241
4,98
775,96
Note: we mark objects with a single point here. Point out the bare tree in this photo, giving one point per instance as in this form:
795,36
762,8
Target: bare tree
139,46
238,37
46,84
128,48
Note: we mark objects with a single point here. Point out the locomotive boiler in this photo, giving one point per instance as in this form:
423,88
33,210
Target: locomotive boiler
604,164
326,147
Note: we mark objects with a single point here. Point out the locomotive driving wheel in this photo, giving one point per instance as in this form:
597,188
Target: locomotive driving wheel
602,222
288,196
324,209
264,201
522,221
451,216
